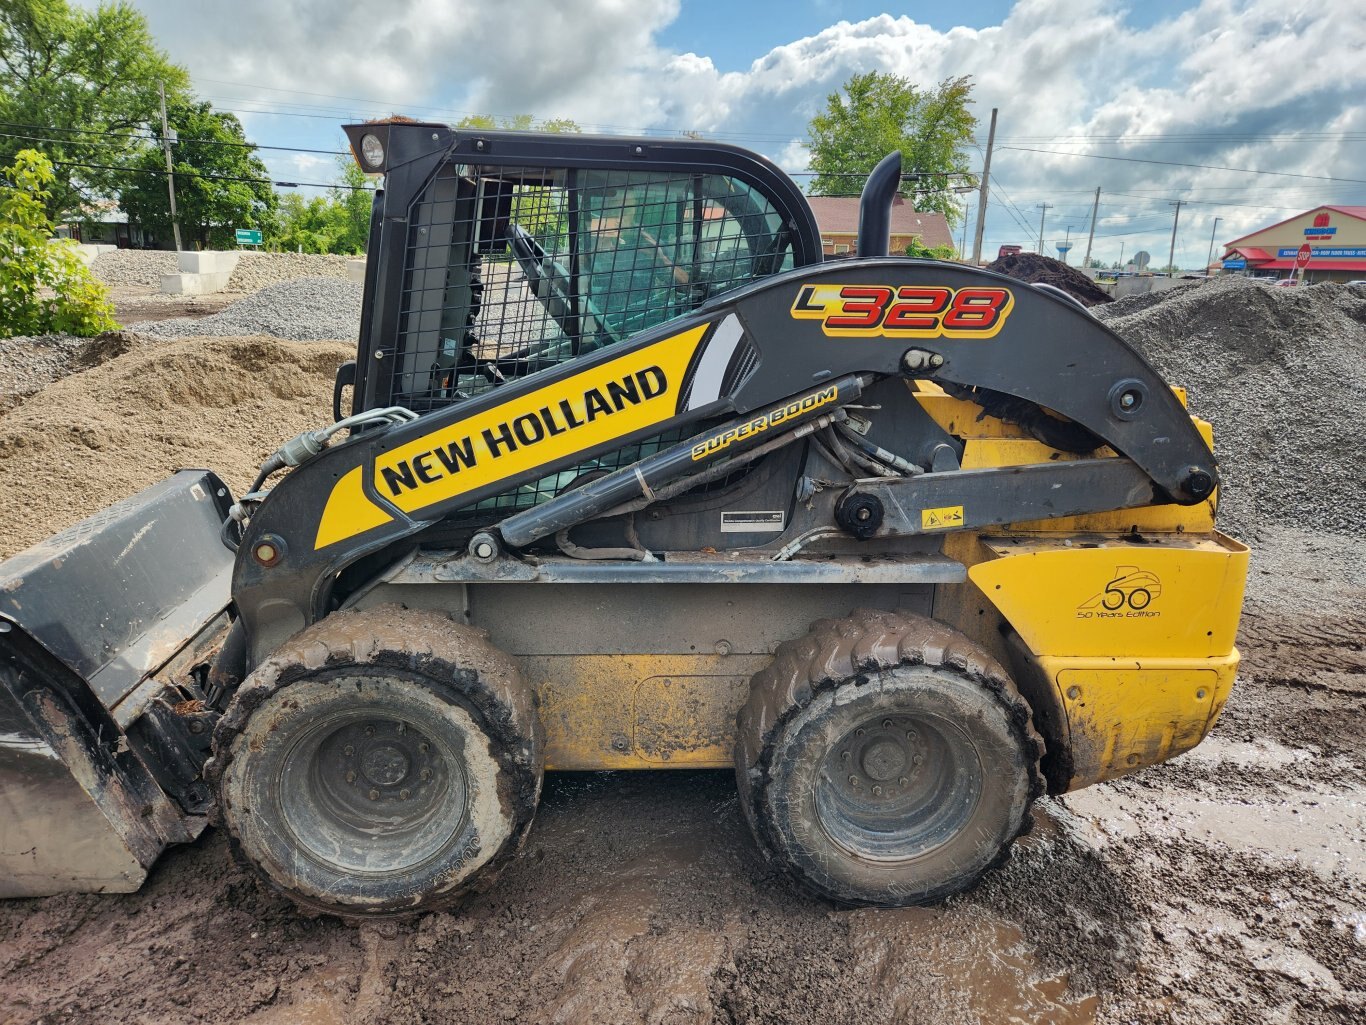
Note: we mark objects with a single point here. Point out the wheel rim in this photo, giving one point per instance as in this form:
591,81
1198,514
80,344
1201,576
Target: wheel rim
897,787
372,794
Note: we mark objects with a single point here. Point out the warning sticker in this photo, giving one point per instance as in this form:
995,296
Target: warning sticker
941,519
759,522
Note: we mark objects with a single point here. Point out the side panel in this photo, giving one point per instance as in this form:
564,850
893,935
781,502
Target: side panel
1128,644
646,676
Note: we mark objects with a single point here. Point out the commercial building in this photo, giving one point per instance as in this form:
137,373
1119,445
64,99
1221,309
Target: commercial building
1336,236
837,218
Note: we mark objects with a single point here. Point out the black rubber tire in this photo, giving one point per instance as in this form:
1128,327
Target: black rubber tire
871,671
380,763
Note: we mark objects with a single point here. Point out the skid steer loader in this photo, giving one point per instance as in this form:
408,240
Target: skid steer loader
630,478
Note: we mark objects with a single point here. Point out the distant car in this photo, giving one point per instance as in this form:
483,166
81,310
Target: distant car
1287,283
1358,283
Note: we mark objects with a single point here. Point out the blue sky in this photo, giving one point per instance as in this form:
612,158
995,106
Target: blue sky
1242,84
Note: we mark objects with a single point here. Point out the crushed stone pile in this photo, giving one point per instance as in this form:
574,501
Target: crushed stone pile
305,309
1281,374
134,267
125,424
28,364
1035,268
255,271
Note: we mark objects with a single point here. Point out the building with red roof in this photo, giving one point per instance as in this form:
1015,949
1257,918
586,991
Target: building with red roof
837,217
1335,235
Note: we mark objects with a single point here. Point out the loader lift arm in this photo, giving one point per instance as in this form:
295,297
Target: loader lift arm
740,357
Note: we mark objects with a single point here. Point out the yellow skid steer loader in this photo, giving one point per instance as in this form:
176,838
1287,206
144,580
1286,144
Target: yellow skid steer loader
630,478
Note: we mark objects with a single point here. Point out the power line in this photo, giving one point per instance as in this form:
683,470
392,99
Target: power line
214,177
1173,163
152,138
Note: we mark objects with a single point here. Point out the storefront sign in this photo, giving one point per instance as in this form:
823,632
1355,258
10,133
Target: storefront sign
1322,253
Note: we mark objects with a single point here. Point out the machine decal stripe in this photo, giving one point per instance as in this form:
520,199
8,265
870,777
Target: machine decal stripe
715,358
597,406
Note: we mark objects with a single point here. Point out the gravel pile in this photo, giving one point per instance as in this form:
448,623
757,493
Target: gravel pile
303,310
28,364
1035,268
134,267
1281,373
255,271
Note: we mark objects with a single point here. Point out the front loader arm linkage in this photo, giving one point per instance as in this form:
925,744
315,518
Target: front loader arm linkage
765,361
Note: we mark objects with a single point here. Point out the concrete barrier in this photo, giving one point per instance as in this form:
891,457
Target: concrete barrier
355,271
201,272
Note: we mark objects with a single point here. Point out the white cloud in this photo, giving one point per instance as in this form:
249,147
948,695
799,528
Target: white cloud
1062,72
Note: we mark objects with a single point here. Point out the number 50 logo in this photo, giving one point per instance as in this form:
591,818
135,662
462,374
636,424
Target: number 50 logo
911,311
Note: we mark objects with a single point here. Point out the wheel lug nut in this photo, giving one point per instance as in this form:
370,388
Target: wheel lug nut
404,794
853,781
424,747
348,750
402,728
350,776
844,755
917,759
860,732
911,735
886,724
877,791
374,795
425,774
902,781
369,731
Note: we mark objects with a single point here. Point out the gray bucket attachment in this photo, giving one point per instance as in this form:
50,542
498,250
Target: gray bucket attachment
106,632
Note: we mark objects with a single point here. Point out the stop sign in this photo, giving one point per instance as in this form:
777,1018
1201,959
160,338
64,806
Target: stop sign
1302,257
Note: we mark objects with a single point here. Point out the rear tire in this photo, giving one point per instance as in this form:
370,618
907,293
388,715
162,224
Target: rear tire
886,760
380,763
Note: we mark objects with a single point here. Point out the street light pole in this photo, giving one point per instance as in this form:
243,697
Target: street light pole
170,167
1043,212
982,196
1095,209
1171,253
1210,258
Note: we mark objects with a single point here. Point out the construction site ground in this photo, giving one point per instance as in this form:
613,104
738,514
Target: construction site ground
1226,886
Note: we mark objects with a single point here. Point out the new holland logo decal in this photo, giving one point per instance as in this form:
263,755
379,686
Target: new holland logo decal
911,311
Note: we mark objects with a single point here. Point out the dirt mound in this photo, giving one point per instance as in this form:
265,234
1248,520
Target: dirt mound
258,270
1037,269
1281,373
112,430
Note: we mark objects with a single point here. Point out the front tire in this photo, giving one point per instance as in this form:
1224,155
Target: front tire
886,760
381,763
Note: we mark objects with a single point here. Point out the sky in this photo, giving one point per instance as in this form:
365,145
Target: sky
1092,93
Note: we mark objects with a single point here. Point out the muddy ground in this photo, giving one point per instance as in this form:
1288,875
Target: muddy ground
1227,886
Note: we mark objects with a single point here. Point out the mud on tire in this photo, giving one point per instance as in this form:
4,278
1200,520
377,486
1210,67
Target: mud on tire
379,763
885,760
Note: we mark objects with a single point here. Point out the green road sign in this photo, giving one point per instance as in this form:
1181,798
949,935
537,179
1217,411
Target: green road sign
248,237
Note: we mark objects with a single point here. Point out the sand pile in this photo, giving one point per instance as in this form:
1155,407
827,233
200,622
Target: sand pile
94,437
1281,373
1035,269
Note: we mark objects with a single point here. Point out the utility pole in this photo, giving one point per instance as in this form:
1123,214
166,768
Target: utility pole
1171,253
1095,209
1043,212
963,245
170,167
1210,258
982,194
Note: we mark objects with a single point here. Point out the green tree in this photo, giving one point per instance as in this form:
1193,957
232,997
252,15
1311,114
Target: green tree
338,222
220,182
44,286
921,251
877,113
85,78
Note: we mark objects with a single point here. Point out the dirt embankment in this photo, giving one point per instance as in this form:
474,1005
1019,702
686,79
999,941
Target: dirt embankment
147,409
1038,269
